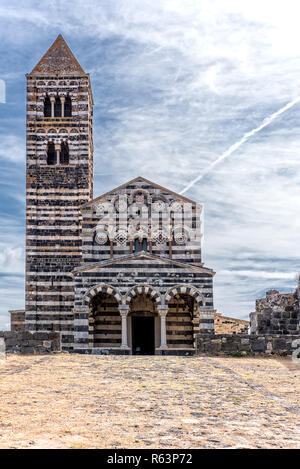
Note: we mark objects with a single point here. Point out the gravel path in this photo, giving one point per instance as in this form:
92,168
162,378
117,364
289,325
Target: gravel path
76,401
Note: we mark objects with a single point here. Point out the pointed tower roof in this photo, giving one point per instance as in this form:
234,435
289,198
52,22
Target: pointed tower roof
59,59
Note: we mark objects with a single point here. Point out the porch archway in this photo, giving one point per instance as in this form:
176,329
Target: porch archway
105,328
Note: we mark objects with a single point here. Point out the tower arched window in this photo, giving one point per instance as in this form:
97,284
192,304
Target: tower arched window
68,107
51,154
47,107
64,154
57,107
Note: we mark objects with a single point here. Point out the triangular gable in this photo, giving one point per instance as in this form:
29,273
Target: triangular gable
137,179
141,255
58,59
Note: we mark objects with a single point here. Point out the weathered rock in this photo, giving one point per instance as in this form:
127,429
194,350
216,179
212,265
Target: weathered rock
277,313
251,344
26,342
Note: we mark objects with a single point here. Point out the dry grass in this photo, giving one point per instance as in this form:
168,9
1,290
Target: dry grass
75,401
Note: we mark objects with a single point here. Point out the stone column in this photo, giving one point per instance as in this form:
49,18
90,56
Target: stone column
62,100
170,248
57,149
52,101
163,333
124,310
81,329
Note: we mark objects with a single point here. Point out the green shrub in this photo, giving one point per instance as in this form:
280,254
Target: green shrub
237,353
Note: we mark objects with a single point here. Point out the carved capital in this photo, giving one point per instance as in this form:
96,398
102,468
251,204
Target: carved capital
162,311
124,310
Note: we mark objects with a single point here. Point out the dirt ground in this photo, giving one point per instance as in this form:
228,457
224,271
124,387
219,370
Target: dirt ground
82,401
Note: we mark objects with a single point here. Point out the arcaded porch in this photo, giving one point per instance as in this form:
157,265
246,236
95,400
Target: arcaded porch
142,322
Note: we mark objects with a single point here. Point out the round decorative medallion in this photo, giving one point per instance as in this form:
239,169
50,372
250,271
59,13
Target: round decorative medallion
180,236
101,237
139,198
120,204
176,207
158,206
100,209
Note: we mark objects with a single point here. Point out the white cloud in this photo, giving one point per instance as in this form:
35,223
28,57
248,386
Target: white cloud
12,148
175,85
12,260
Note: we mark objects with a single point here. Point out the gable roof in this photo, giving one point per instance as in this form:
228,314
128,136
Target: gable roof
58,59
141,255
137,179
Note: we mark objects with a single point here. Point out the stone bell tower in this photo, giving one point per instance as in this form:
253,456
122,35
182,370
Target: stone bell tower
59,179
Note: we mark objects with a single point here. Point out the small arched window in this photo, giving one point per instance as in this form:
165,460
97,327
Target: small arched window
64,154
47,107
57,107
51,154
68,107
137,245
140,245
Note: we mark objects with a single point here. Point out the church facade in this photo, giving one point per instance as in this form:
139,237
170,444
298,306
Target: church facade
120,273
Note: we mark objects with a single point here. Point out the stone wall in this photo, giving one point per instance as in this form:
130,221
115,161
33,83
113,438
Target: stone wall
227,325
31,342
244,344
277,313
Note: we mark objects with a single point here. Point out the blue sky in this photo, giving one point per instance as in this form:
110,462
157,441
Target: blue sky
176,83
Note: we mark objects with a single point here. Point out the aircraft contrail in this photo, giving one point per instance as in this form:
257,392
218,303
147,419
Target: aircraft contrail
240,142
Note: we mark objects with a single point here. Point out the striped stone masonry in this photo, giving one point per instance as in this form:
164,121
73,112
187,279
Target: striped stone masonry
206,323
158,281
169,224
81,328
55,192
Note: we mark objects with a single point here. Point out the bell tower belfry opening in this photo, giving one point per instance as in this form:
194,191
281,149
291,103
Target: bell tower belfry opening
59,179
